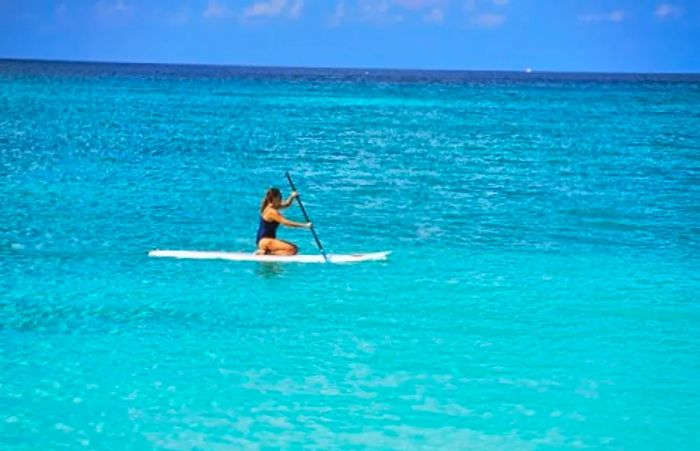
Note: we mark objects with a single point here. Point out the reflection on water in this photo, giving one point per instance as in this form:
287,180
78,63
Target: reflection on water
270,270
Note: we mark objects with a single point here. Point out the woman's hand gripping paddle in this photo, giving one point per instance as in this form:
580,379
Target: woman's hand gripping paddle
303,210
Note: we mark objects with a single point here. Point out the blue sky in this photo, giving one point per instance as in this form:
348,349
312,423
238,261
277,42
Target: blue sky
565,35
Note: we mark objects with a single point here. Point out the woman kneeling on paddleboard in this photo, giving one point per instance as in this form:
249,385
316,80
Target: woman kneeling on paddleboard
270,219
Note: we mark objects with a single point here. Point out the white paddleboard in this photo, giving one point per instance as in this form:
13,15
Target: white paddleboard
251,257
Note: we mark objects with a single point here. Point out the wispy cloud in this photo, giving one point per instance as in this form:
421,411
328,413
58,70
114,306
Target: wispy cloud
435,16
215,9
378,12
615,16
500,2
417,4
488,20
374,6
116,8
116,12
385,12
273,8
668,11
295,9
338,14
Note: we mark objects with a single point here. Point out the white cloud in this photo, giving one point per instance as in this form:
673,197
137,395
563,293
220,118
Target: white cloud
373,7
616,16
668,11
116,8
489,20
295,8
338,14
417,4
473,5
215,9
272,8
378,12
435,16
113,12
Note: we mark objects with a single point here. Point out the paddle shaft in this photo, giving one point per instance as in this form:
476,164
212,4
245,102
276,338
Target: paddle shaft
306,215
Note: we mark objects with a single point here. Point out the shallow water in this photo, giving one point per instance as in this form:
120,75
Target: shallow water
542,290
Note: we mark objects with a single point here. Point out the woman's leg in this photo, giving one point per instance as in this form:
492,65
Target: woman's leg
276,247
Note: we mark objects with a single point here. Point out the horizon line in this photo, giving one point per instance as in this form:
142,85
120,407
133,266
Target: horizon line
525,70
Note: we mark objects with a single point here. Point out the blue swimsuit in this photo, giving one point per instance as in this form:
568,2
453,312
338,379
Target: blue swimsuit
267,229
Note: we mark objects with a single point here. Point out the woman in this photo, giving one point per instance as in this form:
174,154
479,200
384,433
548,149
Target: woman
270,219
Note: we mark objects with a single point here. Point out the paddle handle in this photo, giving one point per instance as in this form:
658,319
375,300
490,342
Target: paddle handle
306,215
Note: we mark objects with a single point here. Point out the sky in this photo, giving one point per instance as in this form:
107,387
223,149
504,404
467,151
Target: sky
552,35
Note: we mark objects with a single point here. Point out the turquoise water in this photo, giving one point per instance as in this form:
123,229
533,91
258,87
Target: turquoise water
542,291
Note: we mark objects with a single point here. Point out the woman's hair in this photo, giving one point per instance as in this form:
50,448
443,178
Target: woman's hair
270,195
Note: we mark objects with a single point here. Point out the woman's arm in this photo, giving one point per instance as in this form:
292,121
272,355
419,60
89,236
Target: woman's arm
290,199
275,216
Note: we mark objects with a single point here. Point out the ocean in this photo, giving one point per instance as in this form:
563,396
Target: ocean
542,290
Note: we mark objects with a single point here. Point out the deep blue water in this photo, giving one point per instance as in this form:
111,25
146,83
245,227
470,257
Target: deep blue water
542,291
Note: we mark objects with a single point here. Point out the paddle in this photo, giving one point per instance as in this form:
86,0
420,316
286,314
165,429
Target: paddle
303,210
